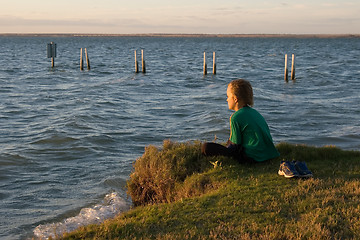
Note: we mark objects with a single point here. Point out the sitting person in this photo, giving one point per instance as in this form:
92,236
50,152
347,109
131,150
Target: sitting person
250,139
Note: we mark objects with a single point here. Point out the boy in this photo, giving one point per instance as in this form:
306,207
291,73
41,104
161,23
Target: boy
250,139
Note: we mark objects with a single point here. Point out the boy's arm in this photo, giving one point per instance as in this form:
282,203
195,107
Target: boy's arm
228,143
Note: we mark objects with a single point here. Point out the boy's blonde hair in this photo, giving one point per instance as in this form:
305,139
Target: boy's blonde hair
242,89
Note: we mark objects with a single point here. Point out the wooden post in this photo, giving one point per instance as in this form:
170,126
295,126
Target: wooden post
51,52
214,64
136,64
293,67
87,59
205,66
81,59
143,61
286,70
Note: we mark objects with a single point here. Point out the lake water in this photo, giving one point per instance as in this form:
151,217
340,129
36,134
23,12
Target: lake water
69,137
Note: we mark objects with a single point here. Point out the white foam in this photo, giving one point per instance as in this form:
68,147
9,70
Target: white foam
109,208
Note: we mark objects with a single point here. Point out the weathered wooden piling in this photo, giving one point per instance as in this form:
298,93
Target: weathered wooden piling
214,64
136,64
293,67
143,61
81,60
286,70
205,66
87,59
51,52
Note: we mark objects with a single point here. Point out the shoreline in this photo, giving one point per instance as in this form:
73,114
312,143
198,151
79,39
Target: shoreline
174,35
216,197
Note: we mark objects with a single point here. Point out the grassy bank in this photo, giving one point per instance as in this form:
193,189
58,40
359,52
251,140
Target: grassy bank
180,194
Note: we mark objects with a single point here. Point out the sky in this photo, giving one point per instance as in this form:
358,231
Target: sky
181,16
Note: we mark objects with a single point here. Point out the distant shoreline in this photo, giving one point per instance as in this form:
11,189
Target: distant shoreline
182,35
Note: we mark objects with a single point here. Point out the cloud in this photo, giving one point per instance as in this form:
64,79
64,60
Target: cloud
16,21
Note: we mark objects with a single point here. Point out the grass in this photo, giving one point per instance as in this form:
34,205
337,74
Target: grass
180,194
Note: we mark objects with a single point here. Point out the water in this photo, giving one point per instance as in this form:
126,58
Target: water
69,138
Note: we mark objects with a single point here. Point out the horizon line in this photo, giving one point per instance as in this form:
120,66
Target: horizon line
244,35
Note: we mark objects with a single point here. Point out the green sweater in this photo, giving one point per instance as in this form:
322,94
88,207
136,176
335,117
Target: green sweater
249,128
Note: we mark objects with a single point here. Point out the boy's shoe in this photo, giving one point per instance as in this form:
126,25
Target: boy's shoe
288,169
302,169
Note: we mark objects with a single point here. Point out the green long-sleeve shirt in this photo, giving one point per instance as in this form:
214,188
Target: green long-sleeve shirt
249,128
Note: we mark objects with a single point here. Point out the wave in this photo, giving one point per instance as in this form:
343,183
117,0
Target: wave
112,205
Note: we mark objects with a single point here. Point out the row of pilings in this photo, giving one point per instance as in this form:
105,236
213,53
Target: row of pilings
51,53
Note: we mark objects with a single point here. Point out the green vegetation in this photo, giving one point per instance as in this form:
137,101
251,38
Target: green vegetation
180,194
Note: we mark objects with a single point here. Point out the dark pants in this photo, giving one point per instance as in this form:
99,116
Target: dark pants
231,150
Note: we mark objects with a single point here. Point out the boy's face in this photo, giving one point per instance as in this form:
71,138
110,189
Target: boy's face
231,99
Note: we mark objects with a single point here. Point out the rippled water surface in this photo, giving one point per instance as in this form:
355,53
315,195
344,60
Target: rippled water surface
69,137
